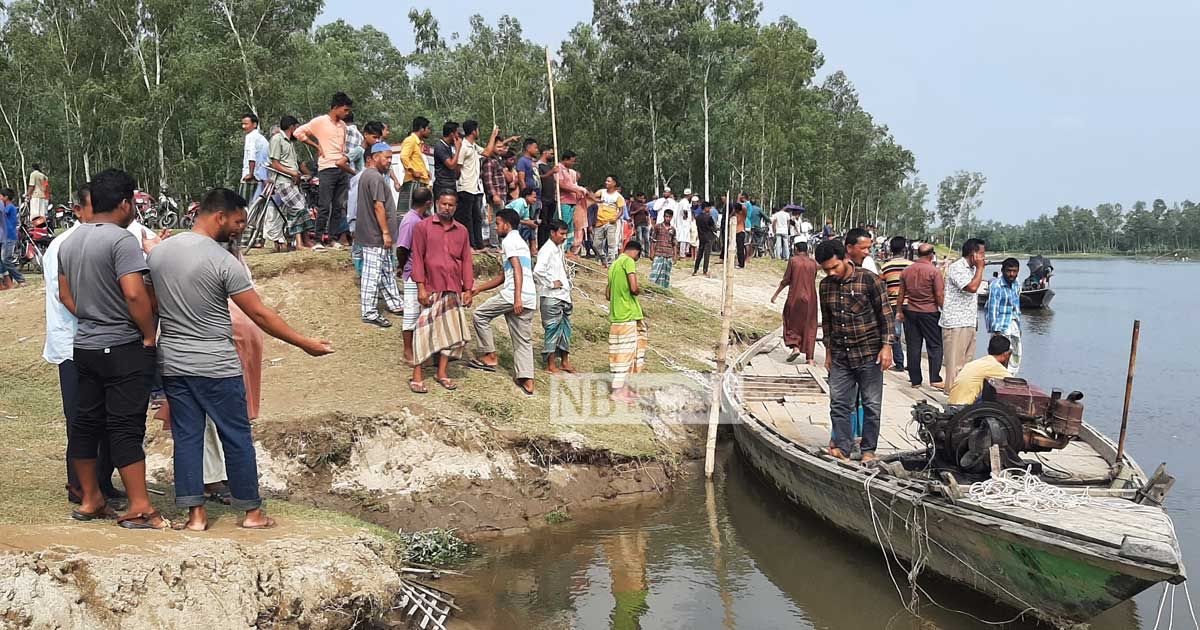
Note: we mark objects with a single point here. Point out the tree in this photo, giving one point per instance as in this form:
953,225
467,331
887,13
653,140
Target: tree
959,195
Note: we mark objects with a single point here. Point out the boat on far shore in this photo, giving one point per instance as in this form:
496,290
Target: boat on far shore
1035,289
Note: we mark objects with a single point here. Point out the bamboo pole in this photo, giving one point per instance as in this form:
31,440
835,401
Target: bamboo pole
714,410
554,134
1133,347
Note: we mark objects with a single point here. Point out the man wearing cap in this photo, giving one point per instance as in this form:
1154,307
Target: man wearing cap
374,229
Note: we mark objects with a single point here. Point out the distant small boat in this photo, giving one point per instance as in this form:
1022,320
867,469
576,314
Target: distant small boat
1035,290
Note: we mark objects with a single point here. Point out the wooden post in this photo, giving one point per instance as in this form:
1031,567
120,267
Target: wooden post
714,411
554,134
1137,329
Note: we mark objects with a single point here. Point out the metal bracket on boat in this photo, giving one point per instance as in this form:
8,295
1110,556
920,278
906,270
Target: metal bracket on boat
950,487
1156,489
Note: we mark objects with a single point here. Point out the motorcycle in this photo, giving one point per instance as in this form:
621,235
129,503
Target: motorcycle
33,238
145,209
168,210
189,218
64,217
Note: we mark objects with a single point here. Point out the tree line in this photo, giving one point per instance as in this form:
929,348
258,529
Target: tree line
1148,229
688,94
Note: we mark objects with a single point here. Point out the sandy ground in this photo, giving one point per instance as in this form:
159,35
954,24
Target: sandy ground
753,286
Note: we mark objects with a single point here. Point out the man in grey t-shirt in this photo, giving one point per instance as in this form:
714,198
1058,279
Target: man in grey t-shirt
194,278
375,232
100,281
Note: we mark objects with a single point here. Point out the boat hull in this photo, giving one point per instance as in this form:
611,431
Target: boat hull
1030,299
1051,581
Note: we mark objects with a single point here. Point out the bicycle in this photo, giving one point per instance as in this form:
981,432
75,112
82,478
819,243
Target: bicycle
257,213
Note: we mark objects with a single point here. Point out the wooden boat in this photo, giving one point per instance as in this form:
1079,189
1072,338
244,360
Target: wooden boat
1030,298
1063,566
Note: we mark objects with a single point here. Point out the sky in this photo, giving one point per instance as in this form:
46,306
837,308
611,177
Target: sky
1055,102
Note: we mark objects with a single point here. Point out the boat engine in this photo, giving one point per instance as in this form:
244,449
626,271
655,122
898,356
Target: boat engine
1012,414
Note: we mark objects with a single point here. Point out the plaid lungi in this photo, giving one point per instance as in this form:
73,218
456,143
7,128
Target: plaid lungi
660,271
443,327
627,344
404,199
293,206
556,321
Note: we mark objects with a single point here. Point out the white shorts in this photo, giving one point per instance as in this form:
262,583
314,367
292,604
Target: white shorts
412,306
38,207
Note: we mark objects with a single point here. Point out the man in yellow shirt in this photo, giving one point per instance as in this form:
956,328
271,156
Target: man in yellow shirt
416,172
968,385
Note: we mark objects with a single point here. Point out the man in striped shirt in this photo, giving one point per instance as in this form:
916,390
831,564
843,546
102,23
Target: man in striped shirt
1002,314
890,272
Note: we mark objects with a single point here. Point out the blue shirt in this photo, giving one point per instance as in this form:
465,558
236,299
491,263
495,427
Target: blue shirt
752,212
10,223
526,167
1003,305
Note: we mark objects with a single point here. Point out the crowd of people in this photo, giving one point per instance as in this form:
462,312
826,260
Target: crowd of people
875,316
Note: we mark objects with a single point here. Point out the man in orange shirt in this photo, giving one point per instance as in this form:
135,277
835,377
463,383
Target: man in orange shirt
327,134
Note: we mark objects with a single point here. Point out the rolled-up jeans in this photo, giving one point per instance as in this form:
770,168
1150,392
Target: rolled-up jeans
846,384
224,401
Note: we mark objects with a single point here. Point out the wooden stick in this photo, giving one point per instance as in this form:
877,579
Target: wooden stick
554,134
1137,329
714,411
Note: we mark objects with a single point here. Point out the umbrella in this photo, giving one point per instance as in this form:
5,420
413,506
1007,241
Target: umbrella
791,207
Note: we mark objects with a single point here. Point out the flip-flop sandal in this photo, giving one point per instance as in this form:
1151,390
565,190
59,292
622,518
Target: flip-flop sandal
476,364
270,524
523,390
793,356
447,383
128,521
417,388
106,513
182,526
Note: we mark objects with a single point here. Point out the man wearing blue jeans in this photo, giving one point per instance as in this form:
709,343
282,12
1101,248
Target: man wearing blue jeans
195,274
857,322
9,217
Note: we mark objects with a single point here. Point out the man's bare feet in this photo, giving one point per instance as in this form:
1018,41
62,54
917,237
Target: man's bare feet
551,368
197,520
869,457
838,453
257,519
566,367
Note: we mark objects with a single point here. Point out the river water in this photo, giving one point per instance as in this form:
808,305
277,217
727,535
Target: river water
735,555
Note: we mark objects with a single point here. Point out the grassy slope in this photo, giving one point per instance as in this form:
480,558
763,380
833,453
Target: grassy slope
365,377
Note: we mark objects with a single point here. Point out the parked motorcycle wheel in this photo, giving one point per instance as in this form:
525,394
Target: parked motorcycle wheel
168,219
187,221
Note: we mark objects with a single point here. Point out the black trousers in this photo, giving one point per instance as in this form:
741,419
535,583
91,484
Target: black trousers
741,249
923,328
702,251
467,213
68,385
112,397
331,200
548,212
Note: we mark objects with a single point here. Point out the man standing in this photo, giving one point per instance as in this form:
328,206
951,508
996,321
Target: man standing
495,191
858,249
527,167
800,309
59,351
100,281
555,305
571,195
639,215
327,134
857,322
10,216
416,172
1002,315
960,309
356,151
515,302
445,161
282,154
627,336
609,208
470,184
706,236
442,267
255,150
968,385
38,193
194,279
548,194
890,273
662,251
376,223
422,202
920,295
781,228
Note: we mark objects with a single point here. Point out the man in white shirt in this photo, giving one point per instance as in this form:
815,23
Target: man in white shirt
858,249
781,228
805,229
255,158
60,347
960,309
555,301
666,201
515,302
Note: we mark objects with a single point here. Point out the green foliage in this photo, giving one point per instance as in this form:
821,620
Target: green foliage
436,547
557,516
687,93
1107,228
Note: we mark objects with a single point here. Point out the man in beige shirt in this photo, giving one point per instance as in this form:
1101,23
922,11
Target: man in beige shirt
968,385
327,134
38,193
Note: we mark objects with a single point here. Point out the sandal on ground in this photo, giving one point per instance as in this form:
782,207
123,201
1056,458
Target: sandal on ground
417,387
182,526
147,521
447,383
105,513
793,356
381,322
476,364
270,524
522,388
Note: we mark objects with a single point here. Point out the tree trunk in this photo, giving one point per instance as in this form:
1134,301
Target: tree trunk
707,69
654,145
237,36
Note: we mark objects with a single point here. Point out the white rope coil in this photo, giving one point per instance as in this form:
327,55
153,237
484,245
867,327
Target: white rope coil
1018,488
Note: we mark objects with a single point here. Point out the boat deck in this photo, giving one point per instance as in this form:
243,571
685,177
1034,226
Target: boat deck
792,398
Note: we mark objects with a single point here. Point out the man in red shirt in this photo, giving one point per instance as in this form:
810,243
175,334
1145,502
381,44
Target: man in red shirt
442,267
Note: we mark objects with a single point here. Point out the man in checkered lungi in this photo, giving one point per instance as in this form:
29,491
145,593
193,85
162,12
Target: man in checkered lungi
294,204
375,224
662,251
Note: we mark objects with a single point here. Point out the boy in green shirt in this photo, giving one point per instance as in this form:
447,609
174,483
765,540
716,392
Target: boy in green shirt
627,340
